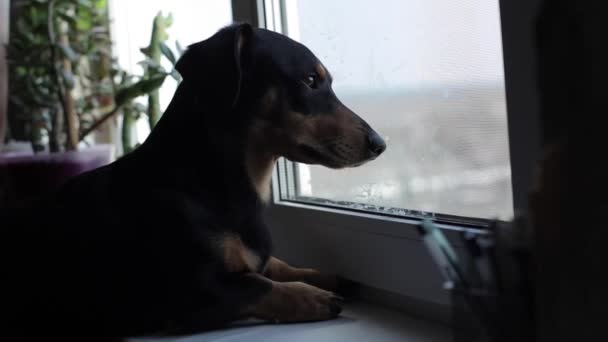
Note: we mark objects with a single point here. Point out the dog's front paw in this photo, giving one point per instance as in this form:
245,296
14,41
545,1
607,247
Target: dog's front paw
325,281
344,287
298,302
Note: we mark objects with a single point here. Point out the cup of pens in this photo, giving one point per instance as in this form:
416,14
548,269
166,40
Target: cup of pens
474,315
472,276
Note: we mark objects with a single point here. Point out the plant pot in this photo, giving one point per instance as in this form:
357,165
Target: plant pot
24,175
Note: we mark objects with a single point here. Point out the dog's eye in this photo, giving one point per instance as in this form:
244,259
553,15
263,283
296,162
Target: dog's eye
311,81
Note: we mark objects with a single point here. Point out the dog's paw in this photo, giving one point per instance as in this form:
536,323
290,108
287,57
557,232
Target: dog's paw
325,281
343,287
309,303
299,302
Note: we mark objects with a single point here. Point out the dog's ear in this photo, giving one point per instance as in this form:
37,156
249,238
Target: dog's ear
216,65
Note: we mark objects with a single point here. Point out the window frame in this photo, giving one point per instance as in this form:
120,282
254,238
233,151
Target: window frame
384,252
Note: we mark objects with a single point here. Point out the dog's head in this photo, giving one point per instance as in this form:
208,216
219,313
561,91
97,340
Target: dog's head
285,95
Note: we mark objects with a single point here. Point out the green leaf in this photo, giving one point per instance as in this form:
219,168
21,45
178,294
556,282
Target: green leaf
16,100
101,4
71,20
68,79
176,76
21,71
103,50
180,48
139,107
99,29
139,88
145,50
37,95
153,83
84,19
83,24
86,3
68,52
25,31
36,16
152,65
167,52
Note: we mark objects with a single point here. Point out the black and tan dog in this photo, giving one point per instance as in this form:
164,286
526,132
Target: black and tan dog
171,237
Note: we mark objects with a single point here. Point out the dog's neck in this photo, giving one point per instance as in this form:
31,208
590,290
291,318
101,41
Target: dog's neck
200,161
259,158
260,166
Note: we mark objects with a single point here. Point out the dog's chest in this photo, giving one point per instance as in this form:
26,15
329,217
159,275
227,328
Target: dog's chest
238,256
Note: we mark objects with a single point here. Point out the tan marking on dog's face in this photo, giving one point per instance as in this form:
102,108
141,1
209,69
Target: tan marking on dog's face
339,137
321,71
237,256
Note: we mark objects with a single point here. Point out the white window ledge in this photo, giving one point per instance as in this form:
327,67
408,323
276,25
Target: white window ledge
359,322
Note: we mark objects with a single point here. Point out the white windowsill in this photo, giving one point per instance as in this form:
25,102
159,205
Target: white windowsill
359,322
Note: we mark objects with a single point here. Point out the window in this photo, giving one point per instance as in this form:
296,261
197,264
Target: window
427,75
451,85
192,21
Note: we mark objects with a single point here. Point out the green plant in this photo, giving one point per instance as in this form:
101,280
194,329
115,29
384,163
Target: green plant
153,70
64,82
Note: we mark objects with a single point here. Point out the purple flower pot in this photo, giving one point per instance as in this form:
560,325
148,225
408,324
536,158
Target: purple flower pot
24,175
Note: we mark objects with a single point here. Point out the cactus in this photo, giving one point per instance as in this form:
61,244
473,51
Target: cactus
154,52
153,77
129,138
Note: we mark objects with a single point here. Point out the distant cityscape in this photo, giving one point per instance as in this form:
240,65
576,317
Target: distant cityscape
447,153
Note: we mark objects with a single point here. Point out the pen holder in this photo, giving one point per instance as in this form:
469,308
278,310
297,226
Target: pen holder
474,315
482,316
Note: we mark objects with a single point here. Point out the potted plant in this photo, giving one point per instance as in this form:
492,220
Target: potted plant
63,85
152,69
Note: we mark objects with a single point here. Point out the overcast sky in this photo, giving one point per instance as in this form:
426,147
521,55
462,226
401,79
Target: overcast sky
402,43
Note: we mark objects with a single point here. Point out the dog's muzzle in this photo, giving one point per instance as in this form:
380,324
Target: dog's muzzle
375,144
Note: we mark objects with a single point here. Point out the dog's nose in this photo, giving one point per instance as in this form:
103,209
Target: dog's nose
376,144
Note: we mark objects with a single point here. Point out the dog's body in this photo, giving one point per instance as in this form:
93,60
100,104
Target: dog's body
171,236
